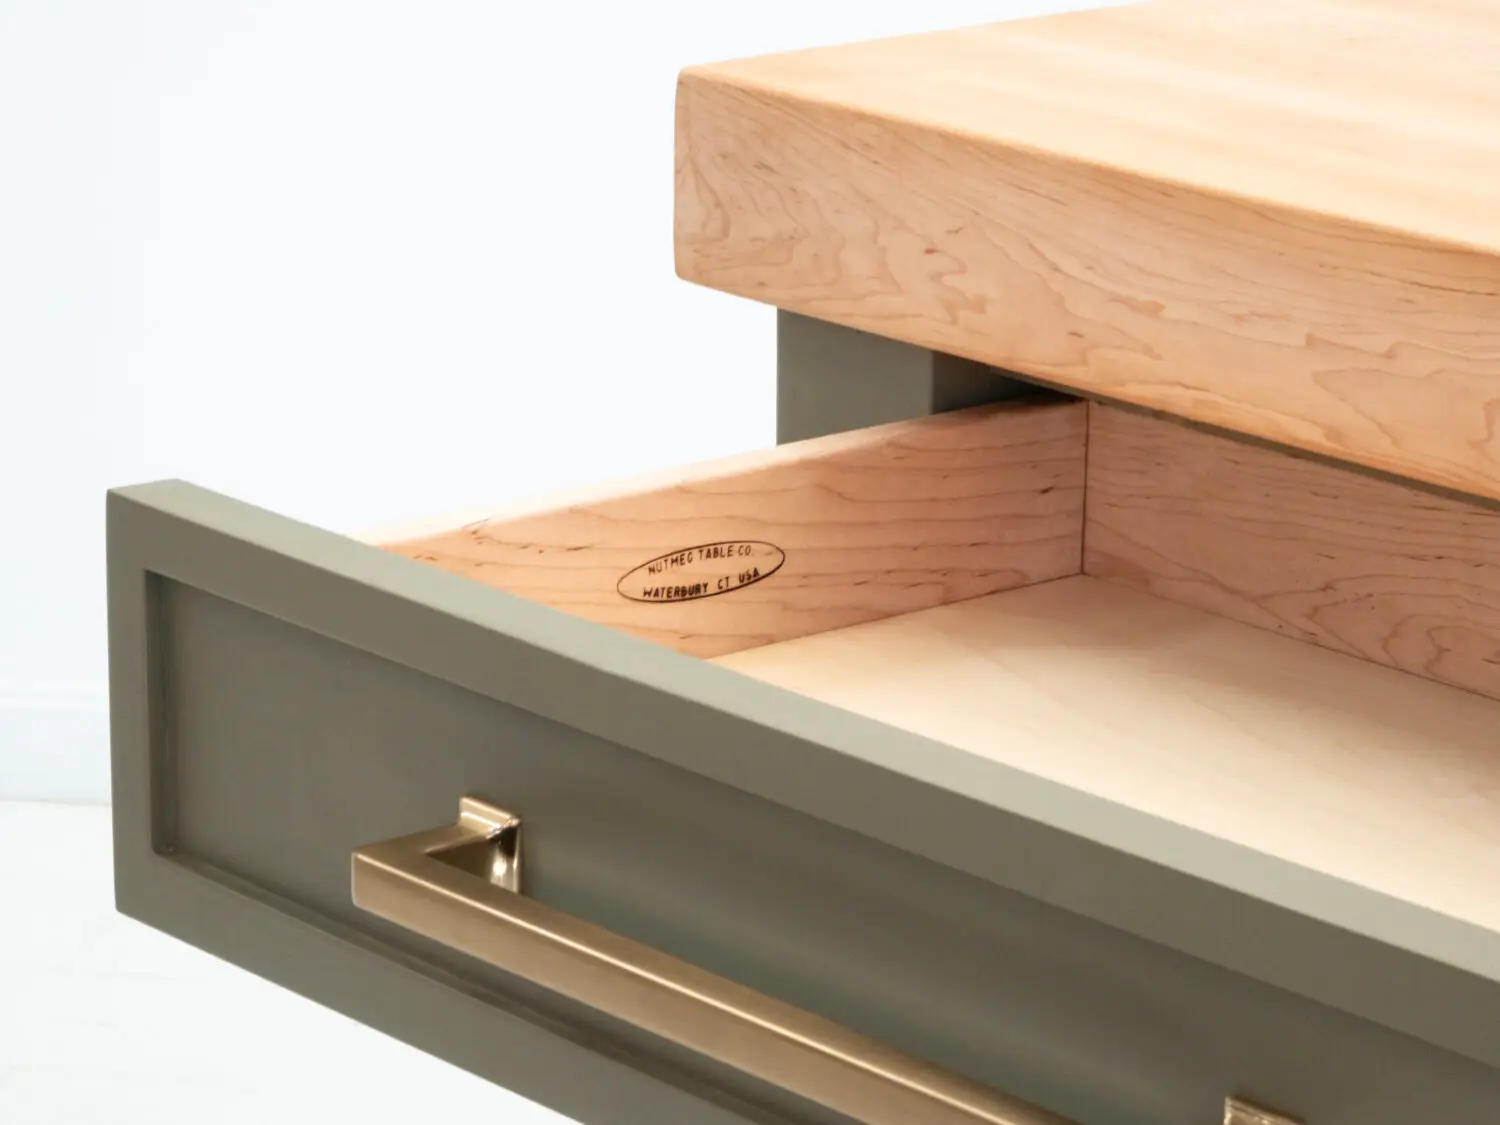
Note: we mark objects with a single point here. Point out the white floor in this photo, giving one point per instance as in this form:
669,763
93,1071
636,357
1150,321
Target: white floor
103,1019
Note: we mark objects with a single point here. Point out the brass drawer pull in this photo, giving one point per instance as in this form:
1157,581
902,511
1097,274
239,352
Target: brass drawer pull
461,885
1240,1112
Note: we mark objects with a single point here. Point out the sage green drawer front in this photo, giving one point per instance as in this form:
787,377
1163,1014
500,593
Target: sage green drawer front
282,696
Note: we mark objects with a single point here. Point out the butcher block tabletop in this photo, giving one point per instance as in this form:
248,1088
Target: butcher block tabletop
1279,217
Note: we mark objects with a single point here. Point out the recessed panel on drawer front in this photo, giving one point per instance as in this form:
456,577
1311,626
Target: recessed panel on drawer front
291,749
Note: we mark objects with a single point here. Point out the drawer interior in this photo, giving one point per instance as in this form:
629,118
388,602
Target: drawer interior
1285,653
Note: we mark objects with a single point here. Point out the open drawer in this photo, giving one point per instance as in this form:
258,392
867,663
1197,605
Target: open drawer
1110,766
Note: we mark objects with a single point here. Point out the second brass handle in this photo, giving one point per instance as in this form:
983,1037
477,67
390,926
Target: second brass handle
461,885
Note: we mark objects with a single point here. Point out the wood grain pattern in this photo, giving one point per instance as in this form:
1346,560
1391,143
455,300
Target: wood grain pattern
1360,565
879,521
1382,779
1279,218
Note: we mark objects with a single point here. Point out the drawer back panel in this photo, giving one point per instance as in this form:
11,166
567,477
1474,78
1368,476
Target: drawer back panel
1363,565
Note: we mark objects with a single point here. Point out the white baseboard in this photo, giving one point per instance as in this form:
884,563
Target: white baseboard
57,751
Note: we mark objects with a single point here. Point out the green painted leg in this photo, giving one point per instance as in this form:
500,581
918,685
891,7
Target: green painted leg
830,378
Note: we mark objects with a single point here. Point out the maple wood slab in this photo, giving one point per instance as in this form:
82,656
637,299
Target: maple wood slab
1279,218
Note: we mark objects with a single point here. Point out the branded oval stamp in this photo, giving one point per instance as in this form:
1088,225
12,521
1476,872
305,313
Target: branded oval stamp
702,572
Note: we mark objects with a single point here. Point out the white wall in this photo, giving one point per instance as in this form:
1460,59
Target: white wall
350,260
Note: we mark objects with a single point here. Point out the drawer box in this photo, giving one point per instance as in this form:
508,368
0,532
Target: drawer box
974,734
977,577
